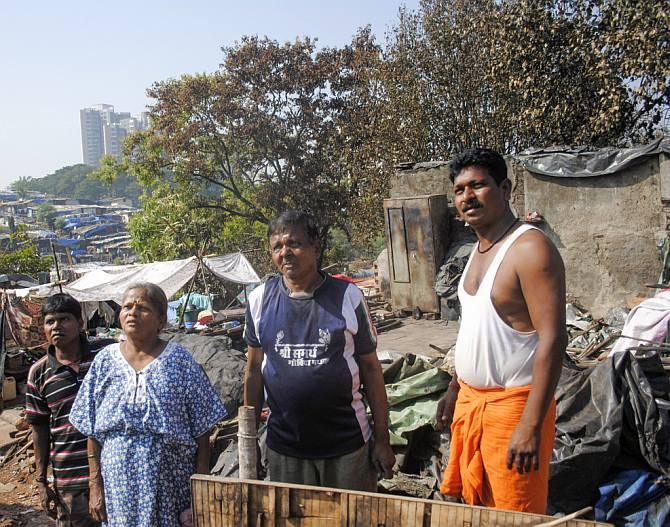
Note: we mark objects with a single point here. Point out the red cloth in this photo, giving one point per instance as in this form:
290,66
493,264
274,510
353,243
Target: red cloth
343,277
484,421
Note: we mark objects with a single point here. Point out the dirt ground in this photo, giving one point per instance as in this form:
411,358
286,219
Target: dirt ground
416,336
19,500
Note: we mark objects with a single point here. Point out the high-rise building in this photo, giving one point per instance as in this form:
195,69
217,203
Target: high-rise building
114,135
92,141
103,131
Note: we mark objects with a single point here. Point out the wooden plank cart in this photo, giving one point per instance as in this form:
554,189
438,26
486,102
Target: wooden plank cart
227,502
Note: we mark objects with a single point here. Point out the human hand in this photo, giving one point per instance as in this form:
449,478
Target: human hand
384,458
48,499
445,409
186,518
523,449
96,501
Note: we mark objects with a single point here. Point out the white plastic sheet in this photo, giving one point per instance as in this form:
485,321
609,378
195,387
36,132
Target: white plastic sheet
99,285
232,267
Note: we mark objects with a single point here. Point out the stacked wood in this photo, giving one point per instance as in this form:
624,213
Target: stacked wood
20,448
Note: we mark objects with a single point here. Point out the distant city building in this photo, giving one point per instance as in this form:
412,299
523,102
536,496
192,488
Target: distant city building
103,131
92,142
114,135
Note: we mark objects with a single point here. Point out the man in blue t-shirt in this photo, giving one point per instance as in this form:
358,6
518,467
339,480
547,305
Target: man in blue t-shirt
311,347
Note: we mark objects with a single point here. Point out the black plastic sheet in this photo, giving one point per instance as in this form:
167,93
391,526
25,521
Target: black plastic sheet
607,417
582,162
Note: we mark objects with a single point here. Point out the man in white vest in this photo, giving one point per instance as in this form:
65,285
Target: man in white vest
500,404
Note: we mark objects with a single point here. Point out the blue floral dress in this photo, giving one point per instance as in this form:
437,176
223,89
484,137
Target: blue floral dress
147,423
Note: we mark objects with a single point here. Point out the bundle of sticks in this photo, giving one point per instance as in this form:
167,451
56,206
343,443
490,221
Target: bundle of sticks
20,447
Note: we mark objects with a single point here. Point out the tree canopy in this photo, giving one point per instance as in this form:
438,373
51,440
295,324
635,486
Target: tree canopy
23,257
297,126
511,75
76,181
263,134
46,213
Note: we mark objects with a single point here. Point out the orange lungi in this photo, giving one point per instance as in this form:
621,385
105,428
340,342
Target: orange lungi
484,420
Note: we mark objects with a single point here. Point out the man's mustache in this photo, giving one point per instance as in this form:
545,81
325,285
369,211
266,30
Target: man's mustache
472,204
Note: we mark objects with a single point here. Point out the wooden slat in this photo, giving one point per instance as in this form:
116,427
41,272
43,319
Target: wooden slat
374,512
353,508
381,512
211,503
344,510
435,516
420,515
272,507
397,513
198,512
245,507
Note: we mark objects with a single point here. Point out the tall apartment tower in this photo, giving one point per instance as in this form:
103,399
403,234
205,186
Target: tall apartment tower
92,140
114,134
103,131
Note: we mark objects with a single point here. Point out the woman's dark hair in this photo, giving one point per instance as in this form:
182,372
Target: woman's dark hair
62,303
489,160
290,218
155,296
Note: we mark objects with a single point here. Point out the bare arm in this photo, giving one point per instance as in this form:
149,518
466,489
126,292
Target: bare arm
202,454
41,444
375,390
542,279
446,405
253,381
96,500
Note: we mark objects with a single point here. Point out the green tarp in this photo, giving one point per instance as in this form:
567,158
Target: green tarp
413,387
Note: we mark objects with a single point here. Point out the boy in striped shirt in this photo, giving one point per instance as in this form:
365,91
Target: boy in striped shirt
53,382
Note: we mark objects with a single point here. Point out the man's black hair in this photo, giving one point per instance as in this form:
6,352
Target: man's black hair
62,303
294,217
489,160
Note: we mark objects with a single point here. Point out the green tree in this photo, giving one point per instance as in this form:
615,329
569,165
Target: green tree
169,227
59,223
21,186
261,135
510,75
46,214
78,181
24,257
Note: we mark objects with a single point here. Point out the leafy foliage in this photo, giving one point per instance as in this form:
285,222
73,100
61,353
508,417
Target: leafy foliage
510,75
169,227
21,186
263,134
293,126
24,257
46,214
76,181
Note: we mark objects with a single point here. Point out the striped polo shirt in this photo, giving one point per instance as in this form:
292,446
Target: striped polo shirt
50,392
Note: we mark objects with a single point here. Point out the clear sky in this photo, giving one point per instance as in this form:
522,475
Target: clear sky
58,57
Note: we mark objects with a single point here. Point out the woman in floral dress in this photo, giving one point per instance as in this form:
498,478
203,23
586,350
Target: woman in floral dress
147,408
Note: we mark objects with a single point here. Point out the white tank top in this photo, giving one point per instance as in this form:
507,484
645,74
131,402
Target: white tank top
490,353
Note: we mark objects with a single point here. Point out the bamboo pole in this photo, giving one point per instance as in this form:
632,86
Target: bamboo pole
188,294
566,518
247,442
53,252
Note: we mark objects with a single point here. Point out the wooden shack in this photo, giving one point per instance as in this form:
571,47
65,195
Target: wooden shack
226,502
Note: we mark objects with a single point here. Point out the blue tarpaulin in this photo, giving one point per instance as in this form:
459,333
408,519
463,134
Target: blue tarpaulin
101,229
68,242
635,498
